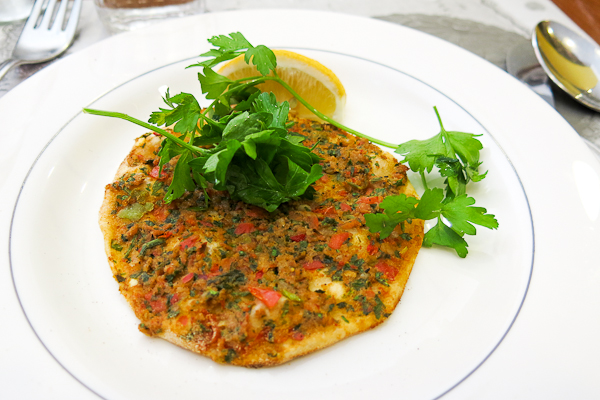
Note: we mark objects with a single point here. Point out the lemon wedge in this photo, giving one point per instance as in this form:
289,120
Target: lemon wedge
313,81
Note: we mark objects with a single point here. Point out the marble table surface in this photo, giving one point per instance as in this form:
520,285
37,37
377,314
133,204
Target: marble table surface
488,28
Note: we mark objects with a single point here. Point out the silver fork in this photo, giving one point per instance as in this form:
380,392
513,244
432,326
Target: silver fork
43,37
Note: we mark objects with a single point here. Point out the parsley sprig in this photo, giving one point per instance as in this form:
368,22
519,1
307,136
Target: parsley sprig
456,154
240,143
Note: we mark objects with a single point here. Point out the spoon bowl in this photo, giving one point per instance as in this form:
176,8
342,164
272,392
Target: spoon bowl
570,60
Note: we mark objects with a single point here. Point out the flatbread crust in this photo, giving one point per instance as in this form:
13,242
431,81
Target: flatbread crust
251,288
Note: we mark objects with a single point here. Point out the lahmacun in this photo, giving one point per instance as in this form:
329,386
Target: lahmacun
246,287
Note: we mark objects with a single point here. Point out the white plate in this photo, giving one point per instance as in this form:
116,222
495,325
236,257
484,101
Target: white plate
455,312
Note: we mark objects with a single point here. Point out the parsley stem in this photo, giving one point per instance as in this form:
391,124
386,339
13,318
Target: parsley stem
255,79
325,117
449,149
439,118
208,120
424,180
145,125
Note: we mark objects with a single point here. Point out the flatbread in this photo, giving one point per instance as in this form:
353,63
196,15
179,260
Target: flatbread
246,287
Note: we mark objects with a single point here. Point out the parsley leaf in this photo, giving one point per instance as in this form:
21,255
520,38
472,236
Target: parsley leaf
461,213
232,46
422,154
397,209
263,58
184,111
268,103
213,84
182,180
234,42
257,183
442,235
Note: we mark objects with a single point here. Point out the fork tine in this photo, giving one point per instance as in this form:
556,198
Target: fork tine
35,14
45,24
73,18
60,15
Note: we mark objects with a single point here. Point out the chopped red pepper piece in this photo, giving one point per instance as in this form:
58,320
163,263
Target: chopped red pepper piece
345,207
244,227
326,211
187,277
166,235
298,238
389,271
158,305
314,264
297,336
161,213
189,242
156,173
338,239
183,320
174,298
267,296
313,222
370,200
350,224
372,249
207,224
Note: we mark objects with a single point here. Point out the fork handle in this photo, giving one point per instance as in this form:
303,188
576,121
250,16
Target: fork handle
8,65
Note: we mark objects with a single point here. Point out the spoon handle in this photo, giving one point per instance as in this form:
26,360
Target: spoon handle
8,65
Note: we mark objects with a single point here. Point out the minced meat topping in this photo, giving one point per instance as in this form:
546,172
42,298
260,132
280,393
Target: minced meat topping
242,285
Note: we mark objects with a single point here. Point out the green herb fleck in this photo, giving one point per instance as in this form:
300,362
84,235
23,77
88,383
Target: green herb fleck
291,296
115,245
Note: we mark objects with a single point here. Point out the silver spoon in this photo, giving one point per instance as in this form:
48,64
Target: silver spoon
522,63
570,60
